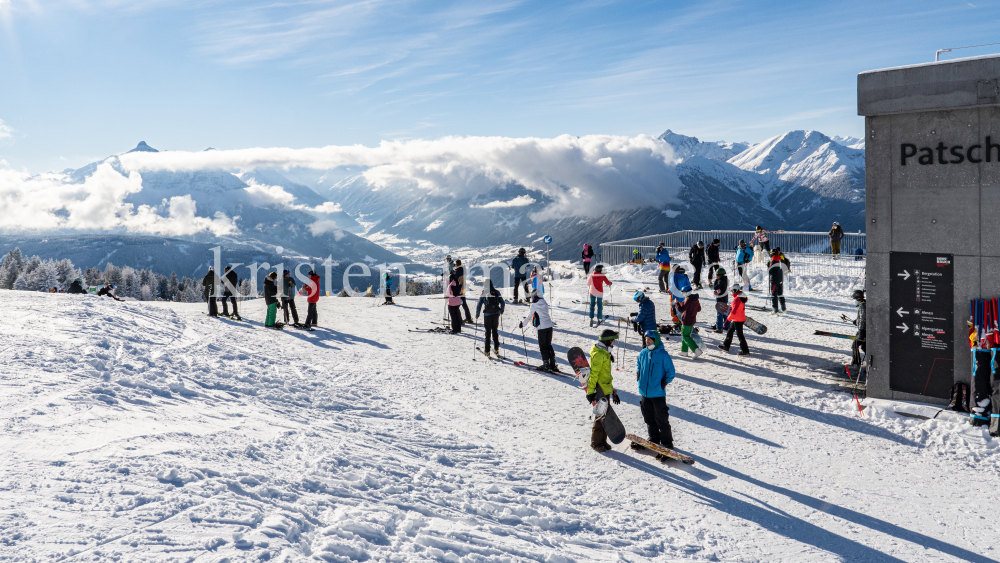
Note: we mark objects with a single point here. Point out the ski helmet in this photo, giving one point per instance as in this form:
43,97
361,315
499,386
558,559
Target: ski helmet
599,268
759,228
737,288
858,295
743,242
680,269
836,224
609,335
638,296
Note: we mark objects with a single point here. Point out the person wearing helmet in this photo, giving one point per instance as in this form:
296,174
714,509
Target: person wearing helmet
600,374
697,257
737,316
76,287
654,370
493,303
761,236
861,322
519,265
744,255
836,235
645,319
538,316
587,255
720,288
663,259
713,259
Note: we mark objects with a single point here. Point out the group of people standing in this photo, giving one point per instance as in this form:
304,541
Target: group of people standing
275,292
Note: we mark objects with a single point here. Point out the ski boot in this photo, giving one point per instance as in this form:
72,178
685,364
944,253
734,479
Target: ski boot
698,353
723,348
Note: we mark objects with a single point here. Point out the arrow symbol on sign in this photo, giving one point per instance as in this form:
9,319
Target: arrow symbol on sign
904,327
905,275
901,312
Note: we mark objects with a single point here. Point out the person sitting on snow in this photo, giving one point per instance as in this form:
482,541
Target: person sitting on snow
654,370
76,287
600,374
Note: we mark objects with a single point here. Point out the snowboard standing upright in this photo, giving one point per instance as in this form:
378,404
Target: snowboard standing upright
753,325
602,407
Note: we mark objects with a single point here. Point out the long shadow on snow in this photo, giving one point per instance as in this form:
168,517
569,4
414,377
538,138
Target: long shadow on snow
837,420
323,334
782,523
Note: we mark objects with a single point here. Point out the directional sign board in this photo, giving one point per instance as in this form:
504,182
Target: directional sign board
547,239
921,334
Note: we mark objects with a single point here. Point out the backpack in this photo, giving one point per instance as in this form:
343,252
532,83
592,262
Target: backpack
492,305
959,397
535,321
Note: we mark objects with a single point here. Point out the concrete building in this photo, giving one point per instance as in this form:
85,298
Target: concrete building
932,134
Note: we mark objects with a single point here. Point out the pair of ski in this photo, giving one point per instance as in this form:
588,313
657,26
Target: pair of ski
613,426
437,329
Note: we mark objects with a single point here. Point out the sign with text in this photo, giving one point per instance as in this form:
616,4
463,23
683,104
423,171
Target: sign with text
921,333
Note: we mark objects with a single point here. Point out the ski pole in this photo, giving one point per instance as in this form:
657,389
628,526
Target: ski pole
503,345
475,335
523,343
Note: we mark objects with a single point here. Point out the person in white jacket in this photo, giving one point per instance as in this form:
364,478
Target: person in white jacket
538,317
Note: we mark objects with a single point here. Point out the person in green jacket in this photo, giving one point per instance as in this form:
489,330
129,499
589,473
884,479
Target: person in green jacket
600,374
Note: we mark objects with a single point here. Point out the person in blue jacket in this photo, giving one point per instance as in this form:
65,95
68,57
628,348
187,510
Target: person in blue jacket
645,319
663,259
654,370
744,255
387,281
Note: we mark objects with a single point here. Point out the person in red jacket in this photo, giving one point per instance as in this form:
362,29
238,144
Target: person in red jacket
737,316
312,297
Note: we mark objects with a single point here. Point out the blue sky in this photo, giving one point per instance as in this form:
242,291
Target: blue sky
80,80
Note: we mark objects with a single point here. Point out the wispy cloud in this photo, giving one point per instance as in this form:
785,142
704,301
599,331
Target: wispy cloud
519,201
6,131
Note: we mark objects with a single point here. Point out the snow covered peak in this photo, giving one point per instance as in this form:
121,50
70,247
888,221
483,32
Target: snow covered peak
143,147
850,142
686,147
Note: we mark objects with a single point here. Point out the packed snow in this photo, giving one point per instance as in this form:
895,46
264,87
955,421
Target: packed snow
151,432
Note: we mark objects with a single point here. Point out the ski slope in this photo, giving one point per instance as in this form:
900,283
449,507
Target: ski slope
149,432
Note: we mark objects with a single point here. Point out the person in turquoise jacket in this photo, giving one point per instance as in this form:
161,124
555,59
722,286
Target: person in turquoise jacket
654,370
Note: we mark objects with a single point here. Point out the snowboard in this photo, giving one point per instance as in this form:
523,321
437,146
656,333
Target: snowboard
750,323
834,334
688,460
602,407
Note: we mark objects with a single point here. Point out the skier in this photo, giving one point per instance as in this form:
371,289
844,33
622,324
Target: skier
663,259
596,283
449,263
494,306
76,287
270,299
744,254
776,273
859,338
460,274
587,255
645,319
538,316
208,284
600,374
387,282
836,235
721,290
697,257
227,295
712,255
312,298
762,236
784,259
689,315
288,290
519,265
654,370
737,316
679,287
455,303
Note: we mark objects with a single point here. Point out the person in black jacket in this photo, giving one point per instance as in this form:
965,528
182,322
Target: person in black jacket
720,289
697,257
460,274
271,300
520,267
712,257
494,306
861,321
208,286
76,287
227,294
288,290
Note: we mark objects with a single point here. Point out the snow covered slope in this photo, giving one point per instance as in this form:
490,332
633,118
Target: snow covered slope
149,432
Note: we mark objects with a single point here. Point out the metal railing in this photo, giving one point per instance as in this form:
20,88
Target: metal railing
810,253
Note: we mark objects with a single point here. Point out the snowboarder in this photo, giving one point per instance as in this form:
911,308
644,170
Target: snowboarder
271,300
538,316
836,235
712,255
690,308
208,285
312,298
744,255
645,319
600,374
227,295
288,291
455,303
596,283
108,291
858,347
587,255
654,370
720,288
76,287
460,274
776,273
761,236
663,259
697,257
737,316
387,282
491,304
519,266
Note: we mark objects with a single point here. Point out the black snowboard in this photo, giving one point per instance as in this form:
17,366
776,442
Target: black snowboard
750,323
612,424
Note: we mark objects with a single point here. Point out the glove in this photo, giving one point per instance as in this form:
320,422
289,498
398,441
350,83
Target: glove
520,324
615,399
633,314
612,358
592,397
